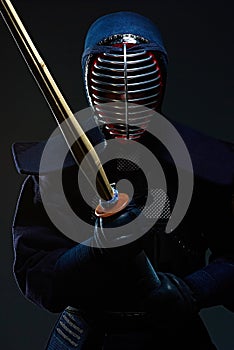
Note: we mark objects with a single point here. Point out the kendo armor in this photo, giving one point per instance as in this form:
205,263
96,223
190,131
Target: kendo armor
130,75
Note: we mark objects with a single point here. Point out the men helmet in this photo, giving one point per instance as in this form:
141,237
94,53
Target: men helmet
124,61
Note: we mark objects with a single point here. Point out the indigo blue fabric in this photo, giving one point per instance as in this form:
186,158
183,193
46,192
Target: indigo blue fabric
210,282
70,332
123,22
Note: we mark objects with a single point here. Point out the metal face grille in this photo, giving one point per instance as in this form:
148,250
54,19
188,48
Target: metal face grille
131,77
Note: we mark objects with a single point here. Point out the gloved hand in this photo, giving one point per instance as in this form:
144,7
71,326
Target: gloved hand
121,242
173,301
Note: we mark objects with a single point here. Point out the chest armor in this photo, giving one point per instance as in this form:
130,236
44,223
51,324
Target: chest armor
180,252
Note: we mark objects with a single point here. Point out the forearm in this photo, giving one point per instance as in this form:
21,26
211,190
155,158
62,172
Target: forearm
214,284
54,272
82,275
37,270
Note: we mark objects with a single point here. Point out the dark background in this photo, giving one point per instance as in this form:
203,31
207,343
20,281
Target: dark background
199,38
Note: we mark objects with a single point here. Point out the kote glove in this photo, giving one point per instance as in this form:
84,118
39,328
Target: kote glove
113,239
173,300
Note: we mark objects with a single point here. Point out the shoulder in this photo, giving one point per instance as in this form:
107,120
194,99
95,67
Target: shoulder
212,158
50,155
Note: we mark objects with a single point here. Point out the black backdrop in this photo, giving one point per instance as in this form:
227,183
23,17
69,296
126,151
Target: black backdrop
199,38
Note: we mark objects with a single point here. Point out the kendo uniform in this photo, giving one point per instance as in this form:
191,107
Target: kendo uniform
112,301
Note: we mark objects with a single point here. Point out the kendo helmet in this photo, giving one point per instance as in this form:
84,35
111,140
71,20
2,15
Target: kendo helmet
124,60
